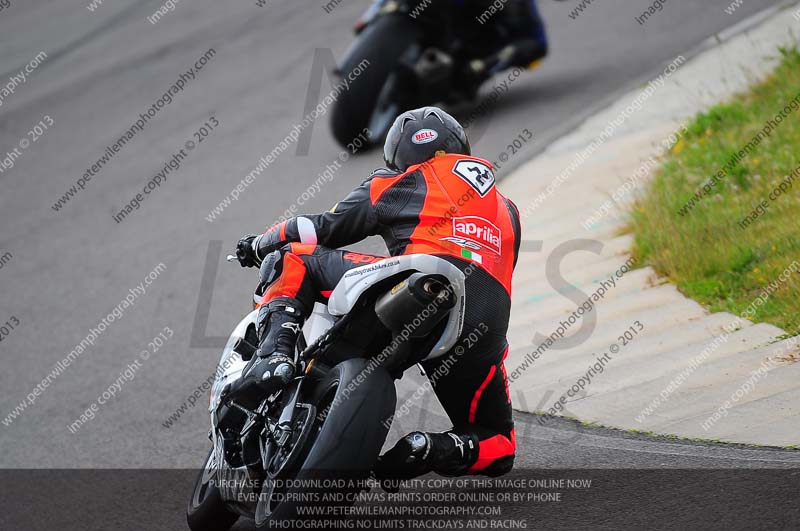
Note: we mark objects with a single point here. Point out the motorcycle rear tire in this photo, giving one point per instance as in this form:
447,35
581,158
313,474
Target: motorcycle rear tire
382,44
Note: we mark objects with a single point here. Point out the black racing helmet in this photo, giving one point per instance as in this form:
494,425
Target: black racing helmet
418,135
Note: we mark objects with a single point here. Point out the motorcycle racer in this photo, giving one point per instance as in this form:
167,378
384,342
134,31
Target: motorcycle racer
435,198
521,39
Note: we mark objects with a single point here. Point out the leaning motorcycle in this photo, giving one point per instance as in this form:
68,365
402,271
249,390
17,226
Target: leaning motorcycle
329,424
407,54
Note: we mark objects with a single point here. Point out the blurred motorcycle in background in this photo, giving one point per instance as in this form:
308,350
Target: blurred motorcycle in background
419,53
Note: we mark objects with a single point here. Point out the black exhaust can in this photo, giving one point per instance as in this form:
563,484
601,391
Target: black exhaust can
416,304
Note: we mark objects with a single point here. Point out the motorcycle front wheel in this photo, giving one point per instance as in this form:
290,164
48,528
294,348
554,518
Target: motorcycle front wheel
354,405
207,511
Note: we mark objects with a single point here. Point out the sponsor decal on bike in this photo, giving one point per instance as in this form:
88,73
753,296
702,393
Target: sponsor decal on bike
423,136
370,268
477,174
398,287
478,230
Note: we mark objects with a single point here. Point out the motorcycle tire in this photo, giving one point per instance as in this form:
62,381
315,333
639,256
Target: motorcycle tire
382,44
349,438
207,511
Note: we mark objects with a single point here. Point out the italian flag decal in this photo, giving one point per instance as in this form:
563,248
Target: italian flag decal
466,253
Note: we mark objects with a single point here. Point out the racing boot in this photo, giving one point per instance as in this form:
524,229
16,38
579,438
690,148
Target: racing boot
418,453
525,53
272,367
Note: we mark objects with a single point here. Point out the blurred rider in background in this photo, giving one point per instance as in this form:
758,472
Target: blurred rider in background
495,34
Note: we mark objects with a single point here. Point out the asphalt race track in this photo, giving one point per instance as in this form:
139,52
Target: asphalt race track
69,268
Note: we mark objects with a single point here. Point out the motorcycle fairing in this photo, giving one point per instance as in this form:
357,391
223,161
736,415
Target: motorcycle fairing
231,364
356,281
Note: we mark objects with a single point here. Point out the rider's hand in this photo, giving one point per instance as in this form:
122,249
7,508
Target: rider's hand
252,249
246,252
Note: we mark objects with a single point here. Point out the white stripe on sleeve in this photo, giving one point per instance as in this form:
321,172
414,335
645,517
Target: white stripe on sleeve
308,234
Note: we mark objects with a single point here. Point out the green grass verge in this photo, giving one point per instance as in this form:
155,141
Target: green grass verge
706,252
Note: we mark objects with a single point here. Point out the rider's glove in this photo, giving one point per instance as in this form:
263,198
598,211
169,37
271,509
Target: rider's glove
246,251
252,249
